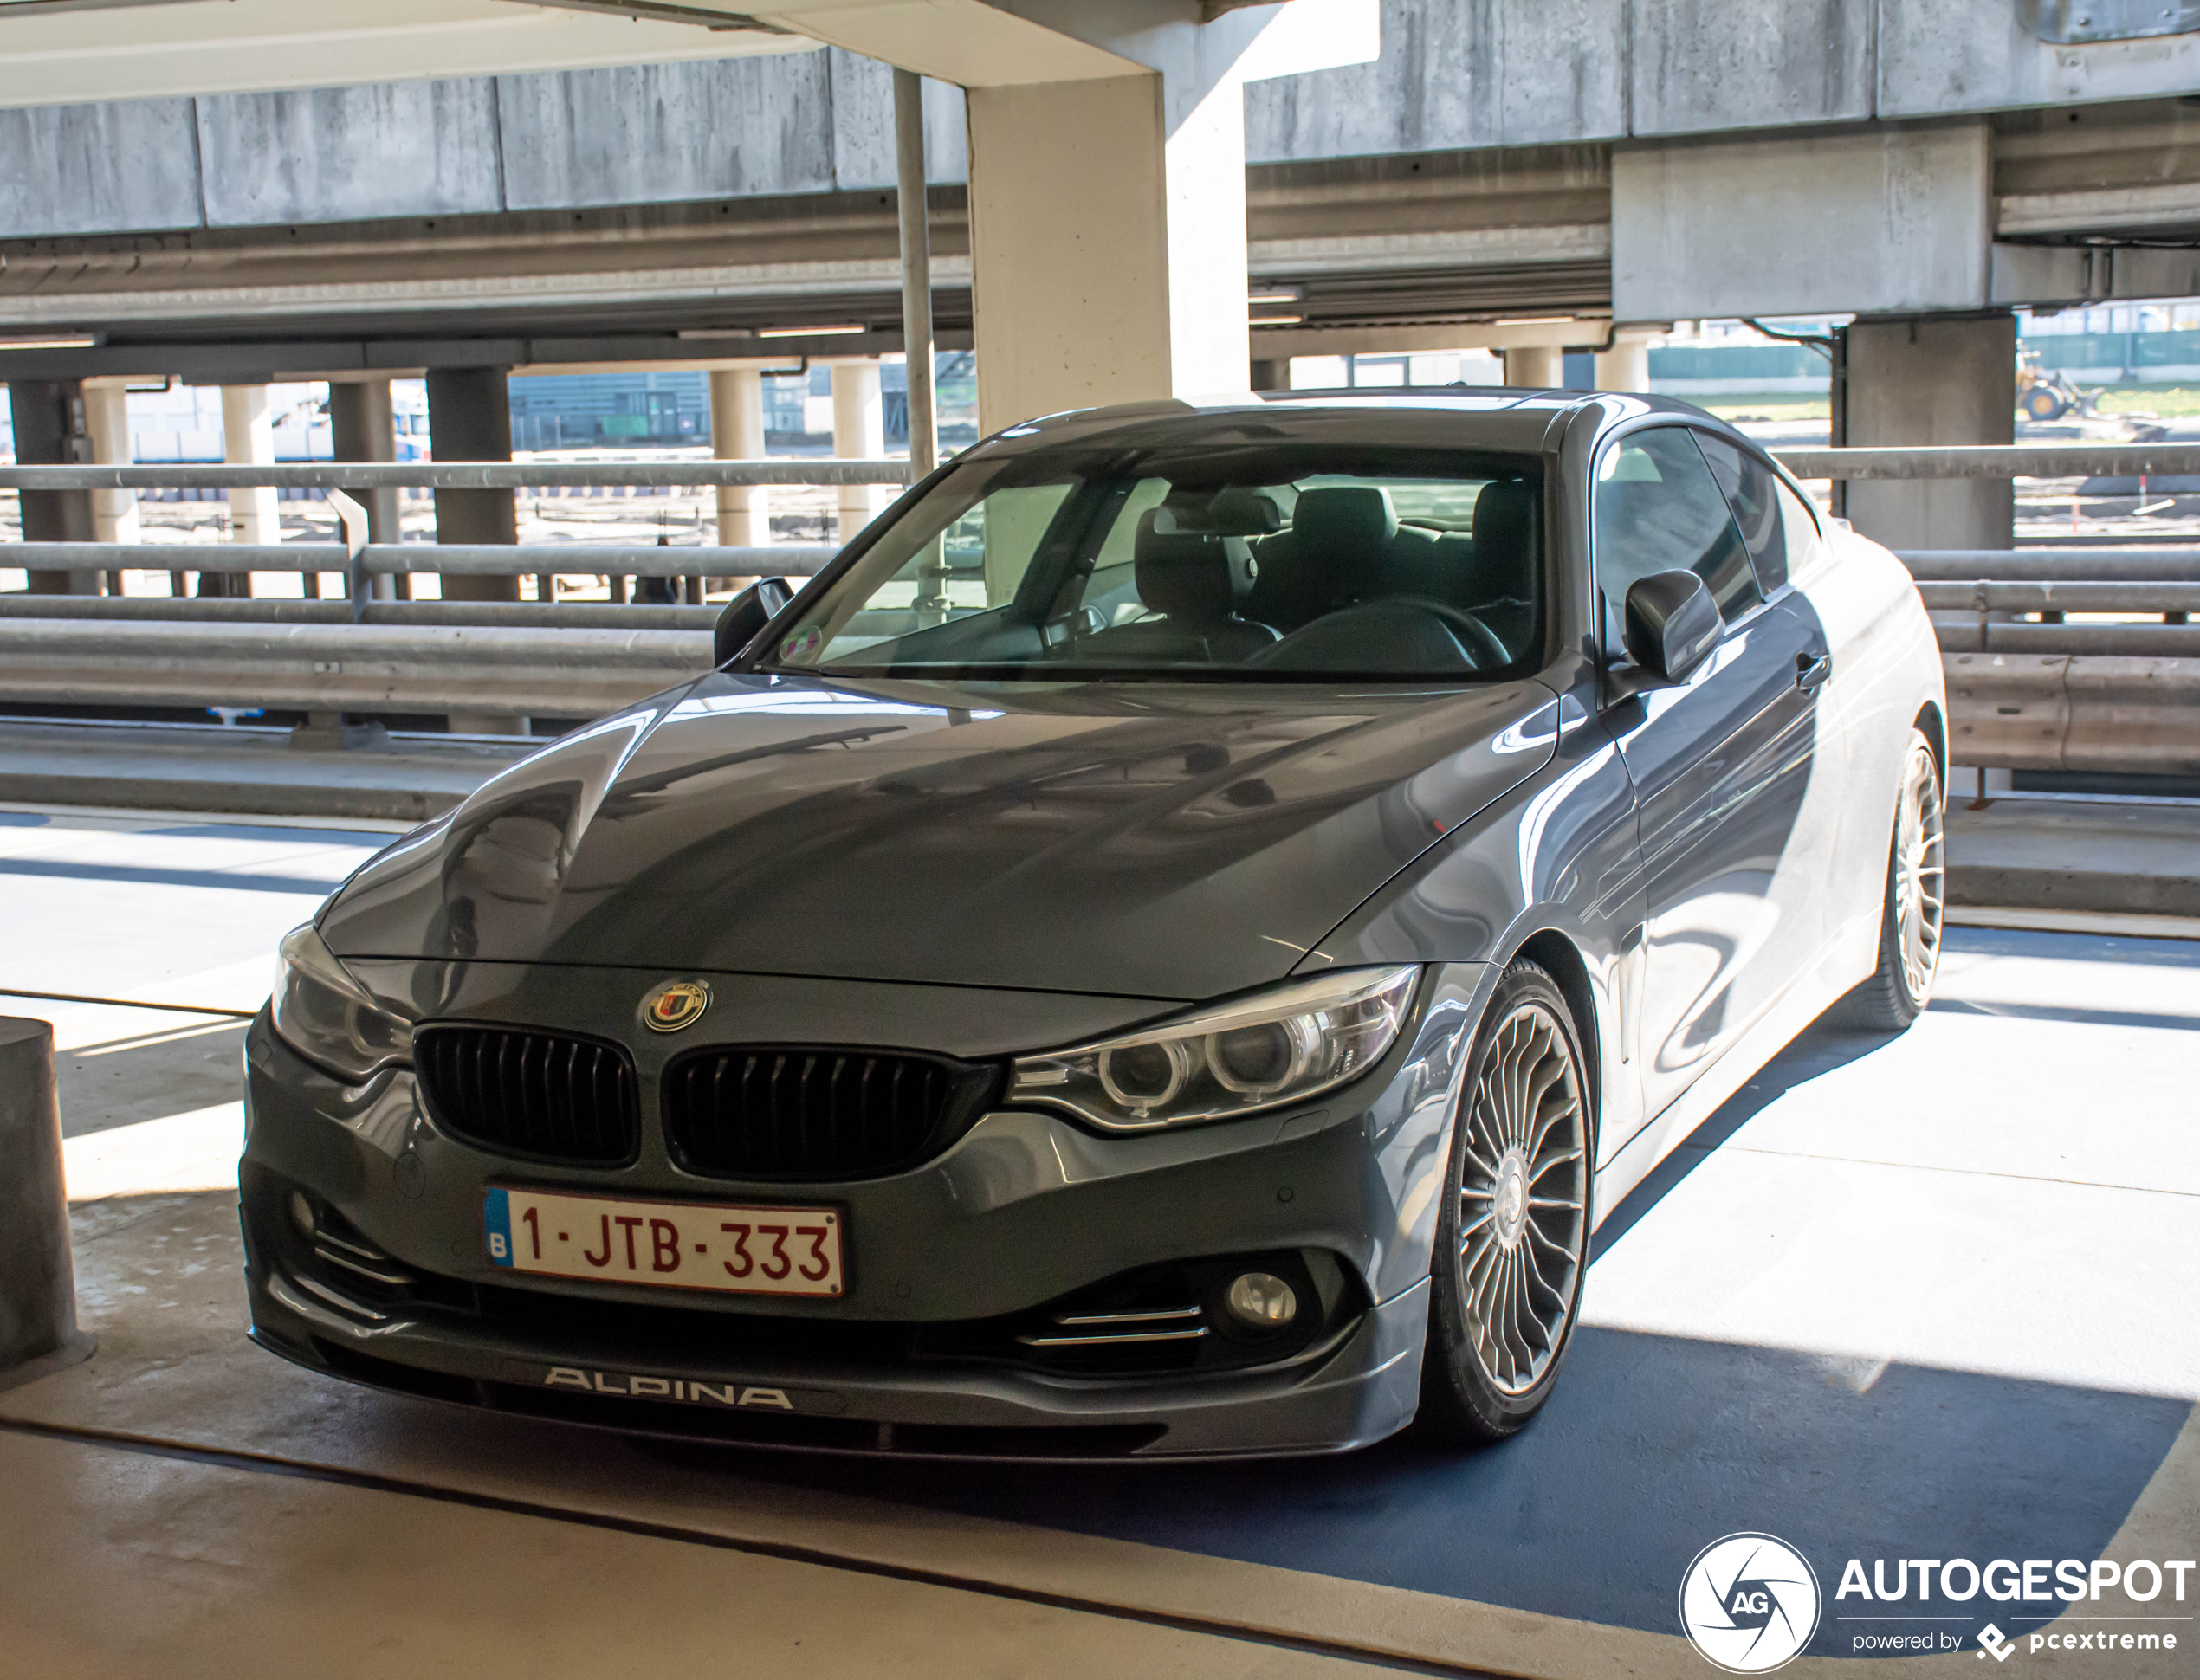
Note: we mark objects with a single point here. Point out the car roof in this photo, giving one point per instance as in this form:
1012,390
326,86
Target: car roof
1499,418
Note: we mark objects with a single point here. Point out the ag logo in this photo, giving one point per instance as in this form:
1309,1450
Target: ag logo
675,1004
1749,1603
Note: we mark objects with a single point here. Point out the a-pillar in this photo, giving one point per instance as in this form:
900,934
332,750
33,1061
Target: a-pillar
1535,366
469,417
49,419
1932,379
363,426
737,434
1107,242
247,438
858,434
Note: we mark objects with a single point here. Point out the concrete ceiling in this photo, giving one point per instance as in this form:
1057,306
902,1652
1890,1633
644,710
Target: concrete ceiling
68,52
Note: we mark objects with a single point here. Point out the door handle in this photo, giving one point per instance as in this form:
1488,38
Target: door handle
1811,669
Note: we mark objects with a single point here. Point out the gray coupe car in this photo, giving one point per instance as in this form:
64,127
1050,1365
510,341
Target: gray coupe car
1168,947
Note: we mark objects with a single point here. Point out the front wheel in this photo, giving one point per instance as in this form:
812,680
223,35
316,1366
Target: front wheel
1916,899
1512,1238
2042,403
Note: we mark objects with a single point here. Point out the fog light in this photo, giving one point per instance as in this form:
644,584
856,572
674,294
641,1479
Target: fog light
1262,1301
302,1214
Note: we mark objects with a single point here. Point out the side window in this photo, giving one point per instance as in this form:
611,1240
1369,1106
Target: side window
1806,543
1754,492
1659,509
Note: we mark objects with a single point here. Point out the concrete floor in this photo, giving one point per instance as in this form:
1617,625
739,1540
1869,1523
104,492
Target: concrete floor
1925,1297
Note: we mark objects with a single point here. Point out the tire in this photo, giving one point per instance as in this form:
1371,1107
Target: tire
2042,403
1913,906
1512,1237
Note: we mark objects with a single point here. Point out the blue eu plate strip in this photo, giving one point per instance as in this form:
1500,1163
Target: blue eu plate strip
496,1217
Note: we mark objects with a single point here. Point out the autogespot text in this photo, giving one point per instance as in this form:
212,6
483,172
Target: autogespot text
1923,1582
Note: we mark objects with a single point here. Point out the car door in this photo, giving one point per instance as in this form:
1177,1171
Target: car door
1723,765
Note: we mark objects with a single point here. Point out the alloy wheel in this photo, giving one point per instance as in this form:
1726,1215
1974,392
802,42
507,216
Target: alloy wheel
1524,1199
1920,872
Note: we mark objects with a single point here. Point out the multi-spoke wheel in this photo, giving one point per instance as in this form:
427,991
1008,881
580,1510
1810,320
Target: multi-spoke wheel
1512,1240
1909,921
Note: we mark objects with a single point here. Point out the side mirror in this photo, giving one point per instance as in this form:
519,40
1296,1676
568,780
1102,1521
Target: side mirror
741,620
1672,624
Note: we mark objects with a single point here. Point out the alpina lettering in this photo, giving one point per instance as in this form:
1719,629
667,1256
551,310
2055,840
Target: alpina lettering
705,1393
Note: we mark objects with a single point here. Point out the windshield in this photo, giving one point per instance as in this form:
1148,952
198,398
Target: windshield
1259,563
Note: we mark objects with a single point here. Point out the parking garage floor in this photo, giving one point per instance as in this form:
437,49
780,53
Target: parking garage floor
1925,1298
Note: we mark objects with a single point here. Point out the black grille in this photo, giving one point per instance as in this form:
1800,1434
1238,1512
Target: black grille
816,1114
538,1095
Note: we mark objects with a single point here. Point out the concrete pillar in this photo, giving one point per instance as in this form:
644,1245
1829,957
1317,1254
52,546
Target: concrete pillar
1270,375
737,434
1625,366
49,426
469,415
1108,243
912,205
247,438
106,420
363,426
1535,367
1932,379
858,434
37,1281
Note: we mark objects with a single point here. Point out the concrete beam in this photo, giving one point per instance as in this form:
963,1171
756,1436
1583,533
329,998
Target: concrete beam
1892,219
74,55
1379,339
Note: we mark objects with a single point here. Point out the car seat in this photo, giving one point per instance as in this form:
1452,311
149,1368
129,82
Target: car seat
1196,581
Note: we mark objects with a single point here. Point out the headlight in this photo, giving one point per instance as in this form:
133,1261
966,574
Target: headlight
327,1017
1280,1046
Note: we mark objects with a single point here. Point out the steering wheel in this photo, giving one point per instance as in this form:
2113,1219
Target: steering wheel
1427,633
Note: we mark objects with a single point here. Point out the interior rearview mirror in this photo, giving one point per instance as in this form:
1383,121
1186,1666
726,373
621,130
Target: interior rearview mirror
1672,624
742,619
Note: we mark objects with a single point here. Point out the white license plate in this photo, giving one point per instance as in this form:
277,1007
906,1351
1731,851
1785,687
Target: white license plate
679,1245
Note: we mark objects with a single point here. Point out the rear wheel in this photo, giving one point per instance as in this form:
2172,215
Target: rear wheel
1512,1238
1910,920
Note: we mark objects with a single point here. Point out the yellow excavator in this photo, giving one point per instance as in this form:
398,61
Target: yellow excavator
2049,396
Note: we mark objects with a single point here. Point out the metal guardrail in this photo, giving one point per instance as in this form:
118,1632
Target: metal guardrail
401,558
1997,461
453,474
351,668
2107,698
1975,596
264,609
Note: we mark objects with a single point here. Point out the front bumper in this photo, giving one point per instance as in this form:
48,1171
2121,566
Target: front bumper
1023,1209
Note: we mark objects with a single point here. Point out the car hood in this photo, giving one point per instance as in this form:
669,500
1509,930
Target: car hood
1144,840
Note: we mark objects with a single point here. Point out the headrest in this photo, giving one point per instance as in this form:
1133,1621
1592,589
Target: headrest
1193,579
1357,516
1505,524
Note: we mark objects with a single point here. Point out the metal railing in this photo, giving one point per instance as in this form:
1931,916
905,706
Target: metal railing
2118,697
2025,693
453,474
1996,461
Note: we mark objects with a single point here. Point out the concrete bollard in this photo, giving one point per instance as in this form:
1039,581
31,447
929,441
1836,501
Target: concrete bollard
37,1281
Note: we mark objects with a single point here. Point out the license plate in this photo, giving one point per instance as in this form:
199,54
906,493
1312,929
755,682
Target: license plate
679,1245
